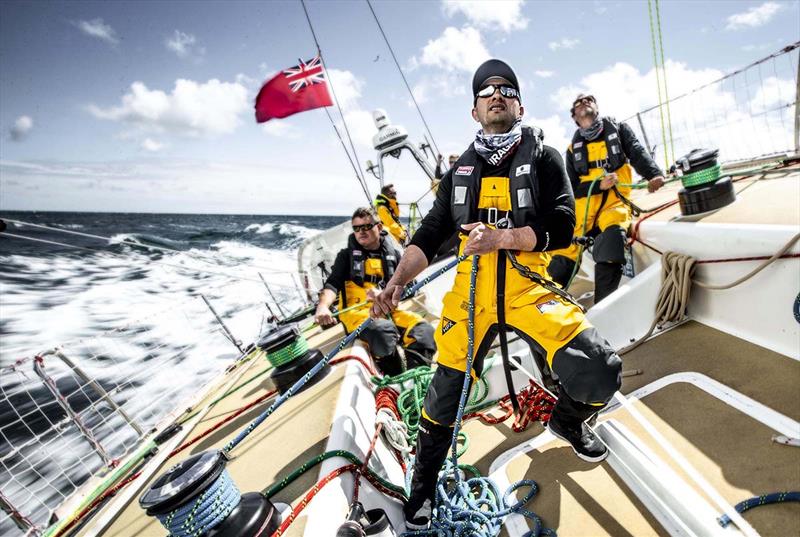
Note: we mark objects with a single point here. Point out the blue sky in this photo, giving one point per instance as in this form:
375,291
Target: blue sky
147,106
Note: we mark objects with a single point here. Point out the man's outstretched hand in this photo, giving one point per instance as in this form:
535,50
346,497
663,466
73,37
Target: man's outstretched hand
387,301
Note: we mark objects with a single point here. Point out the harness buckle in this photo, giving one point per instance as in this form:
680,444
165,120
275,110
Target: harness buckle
491,215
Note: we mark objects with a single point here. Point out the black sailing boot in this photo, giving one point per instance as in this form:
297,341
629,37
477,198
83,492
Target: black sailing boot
433,443
567,423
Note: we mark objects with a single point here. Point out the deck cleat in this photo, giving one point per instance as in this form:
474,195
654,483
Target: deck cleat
198,497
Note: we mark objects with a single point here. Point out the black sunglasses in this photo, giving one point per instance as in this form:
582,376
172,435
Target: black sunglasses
583,100
505,91
364,227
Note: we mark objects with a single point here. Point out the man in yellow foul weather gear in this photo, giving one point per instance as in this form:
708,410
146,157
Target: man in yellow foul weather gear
509,196
357,274
389,213
602,151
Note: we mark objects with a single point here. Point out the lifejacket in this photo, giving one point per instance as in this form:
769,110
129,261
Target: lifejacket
390,204
367,268
615,156
523,184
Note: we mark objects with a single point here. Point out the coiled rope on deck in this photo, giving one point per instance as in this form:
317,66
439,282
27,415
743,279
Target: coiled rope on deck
207,511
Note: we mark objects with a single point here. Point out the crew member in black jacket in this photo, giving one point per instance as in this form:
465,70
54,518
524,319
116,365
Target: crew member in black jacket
600,156
509,196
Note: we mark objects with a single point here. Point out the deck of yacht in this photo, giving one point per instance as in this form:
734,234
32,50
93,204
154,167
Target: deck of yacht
733,450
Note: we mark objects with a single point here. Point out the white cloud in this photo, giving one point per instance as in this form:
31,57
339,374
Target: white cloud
774,92
753,17
556,133
544,74
280,129
148,144
563,43
346,86
455,50
184,46
191,109
489,15
99,29
22,126
599,8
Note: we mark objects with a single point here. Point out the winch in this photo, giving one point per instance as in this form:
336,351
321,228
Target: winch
198,497
287,350
703,188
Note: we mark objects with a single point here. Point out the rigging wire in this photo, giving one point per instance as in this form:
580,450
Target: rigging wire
411,93
361,182
664,69
361,178
658,83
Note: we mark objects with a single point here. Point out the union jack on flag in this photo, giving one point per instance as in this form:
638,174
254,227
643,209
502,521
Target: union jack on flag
305,74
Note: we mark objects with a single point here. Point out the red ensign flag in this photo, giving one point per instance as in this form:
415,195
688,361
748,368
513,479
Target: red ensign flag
293,90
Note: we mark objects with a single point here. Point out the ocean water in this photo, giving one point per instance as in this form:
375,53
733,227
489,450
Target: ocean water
125,307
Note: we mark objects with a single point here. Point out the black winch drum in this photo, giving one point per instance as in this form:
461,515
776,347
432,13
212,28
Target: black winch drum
285,376
254,516
698,160
706,198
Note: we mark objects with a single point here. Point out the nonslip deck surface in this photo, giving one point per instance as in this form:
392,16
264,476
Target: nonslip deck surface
730,449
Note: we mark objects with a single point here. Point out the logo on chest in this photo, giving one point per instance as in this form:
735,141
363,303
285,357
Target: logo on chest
464,170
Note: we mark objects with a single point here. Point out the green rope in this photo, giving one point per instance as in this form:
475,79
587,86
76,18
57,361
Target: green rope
415,384
666,93
289,353
583,232
274,489
658,82
112,480
709,175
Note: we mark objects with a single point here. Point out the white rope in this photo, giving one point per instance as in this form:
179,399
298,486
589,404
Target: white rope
395,431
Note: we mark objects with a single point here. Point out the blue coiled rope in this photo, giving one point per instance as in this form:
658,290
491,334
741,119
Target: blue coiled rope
475,506
775,497
207,510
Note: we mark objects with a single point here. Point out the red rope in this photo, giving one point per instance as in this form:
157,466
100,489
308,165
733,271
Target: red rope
364,467
360,360
386,397
535,405
223,422
324,481
97,501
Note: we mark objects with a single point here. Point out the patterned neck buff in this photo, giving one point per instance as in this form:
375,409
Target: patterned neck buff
592,131
495,147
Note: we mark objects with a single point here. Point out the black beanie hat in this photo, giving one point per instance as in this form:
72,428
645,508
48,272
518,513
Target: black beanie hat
492,68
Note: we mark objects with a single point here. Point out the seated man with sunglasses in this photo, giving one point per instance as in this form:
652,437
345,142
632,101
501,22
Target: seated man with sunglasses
358,274
602,150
